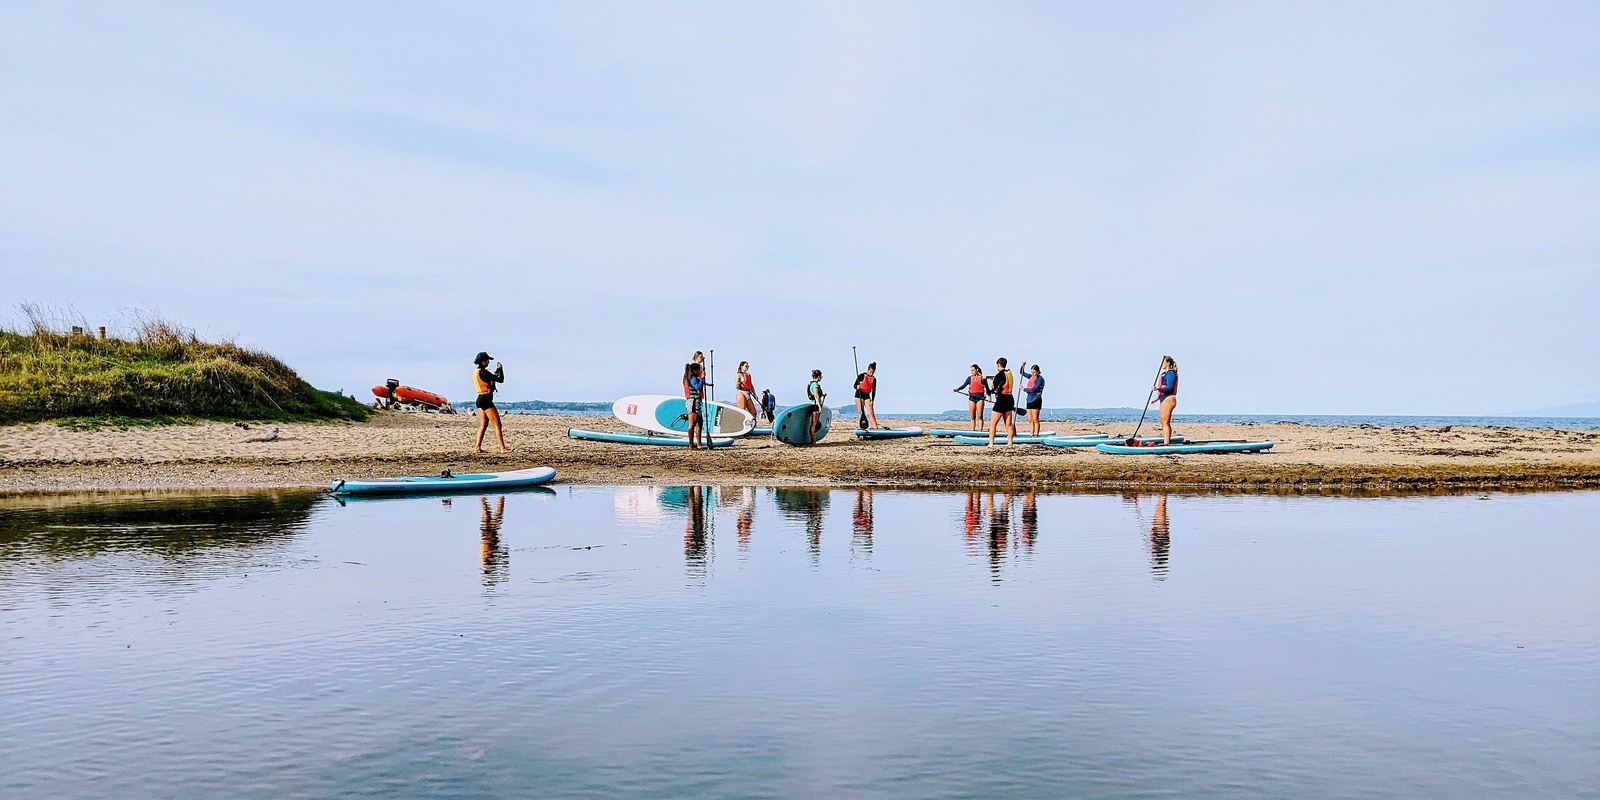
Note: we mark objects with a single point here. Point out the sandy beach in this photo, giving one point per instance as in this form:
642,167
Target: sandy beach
43,457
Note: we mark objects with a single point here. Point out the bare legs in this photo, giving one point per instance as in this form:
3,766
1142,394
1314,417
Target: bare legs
486,416
1167,406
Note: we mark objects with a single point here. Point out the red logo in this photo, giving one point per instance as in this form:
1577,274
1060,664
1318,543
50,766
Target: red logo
633,409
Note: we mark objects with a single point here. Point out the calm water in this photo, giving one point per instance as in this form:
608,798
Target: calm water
740,642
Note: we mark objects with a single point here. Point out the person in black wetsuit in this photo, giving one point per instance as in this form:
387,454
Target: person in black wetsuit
485,381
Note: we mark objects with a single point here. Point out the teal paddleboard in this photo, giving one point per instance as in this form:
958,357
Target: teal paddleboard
622,437
793,424
1190,447
1092,441
435,483
887,433
947,433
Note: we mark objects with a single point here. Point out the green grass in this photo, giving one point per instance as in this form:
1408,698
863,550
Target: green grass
162,374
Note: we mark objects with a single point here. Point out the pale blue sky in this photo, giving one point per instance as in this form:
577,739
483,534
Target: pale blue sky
1340,208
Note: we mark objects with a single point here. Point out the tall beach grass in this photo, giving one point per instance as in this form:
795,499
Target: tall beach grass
58,369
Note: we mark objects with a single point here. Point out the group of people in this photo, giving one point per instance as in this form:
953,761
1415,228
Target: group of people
1002,387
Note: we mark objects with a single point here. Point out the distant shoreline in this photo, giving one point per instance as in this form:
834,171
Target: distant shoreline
44,457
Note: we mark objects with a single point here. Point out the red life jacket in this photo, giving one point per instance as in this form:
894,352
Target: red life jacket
686,388
746,383
867,384
975,385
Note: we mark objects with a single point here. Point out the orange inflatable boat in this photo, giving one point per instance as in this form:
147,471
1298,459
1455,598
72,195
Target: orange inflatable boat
397,393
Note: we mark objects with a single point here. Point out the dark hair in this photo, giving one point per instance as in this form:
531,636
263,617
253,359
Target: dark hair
1036,369
690,370
872,365
1000,361
816,374
978,368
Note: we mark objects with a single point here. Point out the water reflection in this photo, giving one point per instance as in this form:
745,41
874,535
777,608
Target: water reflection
1158,534
806,506
494,558
861,523
698,532
173,525
989,527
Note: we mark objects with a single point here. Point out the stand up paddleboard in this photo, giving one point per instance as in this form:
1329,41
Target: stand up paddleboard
456,483
629,437
1093,441
665,414
793,425
1177,449
887,433
948,433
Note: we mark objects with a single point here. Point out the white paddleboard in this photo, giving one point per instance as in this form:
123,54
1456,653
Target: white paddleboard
665,413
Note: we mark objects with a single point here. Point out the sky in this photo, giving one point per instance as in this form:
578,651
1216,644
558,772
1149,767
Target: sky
1357,208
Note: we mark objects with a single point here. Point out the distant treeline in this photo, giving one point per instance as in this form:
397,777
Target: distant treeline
60,371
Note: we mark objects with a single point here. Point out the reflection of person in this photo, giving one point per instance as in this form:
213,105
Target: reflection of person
1166,398
746,519
695,539
1030,519
1160,540
492,555
974,515
977,392
999,534
861,520
485,381
866,394
1005,403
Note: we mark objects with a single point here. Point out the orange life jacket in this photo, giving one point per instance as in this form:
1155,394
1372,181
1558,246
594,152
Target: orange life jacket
484,387
975,385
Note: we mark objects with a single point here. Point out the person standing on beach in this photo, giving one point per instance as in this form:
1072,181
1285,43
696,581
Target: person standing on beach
866,393
769,405
485,381
976,391
1166,397
1002,386
694,388
1033,393
817,398
745,390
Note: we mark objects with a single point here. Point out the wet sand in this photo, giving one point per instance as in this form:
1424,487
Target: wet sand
46,458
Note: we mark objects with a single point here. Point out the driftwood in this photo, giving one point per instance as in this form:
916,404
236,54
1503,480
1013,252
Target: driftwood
268,436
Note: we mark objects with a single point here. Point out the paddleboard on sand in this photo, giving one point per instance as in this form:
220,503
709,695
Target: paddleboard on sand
631,437
947,433
793,425
887,433
664,413
1092,441
1000,438
435,483
1189,447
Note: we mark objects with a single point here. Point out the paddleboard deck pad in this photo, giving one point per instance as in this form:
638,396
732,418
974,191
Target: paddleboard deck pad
434,483
793,424
664,413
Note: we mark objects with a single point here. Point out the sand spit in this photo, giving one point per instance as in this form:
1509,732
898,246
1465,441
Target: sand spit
42,457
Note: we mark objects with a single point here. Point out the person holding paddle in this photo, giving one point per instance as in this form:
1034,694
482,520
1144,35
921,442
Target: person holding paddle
817,398
1033,394
977,392
1002,385
1166,395
694,392
866,393
745,390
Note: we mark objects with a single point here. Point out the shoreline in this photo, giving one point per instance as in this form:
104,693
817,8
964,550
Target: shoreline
44,458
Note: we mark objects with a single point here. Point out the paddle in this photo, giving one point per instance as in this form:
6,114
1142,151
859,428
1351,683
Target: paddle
1132,440
861,417
710,393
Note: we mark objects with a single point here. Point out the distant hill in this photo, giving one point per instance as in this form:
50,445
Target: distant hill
1568,410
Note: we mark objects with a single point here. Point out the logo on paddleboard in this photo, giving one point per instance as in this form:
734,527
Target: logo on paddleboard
633,409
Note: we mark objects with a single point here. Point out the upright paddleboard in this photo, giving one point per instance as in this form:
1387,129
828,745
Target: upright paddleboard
456,483
793,425
664,413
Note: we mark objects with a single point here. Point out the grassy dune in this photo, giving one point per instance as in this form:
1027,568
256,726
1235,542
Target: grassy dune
161,373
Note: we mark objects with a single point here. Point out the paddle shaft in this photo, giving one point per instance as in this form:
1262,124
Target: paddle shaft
1148,396
710,394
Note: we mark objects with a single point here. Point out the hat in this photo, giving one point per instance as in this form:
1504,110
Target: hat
482,357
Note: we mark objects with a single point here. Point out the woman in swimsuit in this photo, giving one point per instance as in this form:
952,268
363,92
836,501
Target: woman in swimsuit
485,382
745,387
1033,391
975,389
1166,398
694,388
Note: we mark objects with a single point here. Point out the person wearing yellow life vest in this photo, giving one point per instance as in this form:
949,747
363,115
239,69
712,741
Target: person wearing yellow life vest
977,392
484,381
866,393
1002,385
